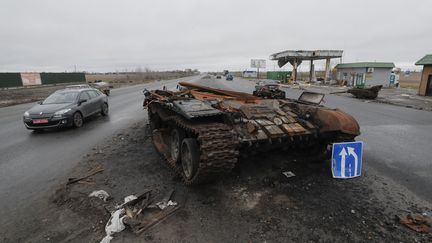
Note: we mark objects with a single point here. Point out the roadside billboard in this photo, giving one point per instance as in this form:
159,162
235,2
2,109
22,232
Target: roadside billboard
31,79
258,63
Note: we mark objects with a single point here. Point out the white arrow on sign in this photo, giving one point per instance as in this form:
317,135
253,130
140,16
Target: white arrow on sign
353,153
343,155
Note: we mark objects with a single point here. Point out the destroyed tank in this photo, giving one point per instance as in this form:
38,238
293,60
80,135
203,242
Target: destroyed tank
366,93
202,131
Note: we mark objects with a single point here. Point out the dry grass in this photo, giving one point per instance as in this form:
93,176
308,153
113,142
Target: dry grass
135,77
30,94
412,81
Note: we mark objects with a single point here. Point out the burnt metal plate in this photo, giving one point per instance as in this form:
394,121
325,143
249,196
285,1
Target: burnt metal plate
257,111
274,130
293,128
195,108
311,98
264,122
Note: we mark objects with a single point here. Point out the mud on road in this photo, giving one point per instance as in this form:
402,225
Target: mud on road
255,203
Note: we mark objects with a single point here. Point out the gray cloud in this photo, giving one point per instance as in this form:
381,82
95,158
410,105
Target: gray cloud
101,35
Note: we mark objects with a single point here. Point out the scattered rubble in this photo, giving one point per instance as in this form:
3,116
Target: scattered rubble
100,194
114,225
137,212
417,222
92,172
288,174
165,202
240,208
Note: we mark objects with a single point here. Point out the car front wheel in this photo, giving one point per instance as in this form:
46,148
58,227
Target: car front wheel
104,109
77,120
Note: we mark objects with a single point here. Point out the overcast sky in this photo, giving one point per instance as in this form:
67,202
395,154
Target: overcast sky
107,35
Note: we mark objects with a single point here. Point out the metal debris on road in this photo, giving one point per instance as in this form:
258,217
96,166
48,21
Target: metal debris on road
143,215
123,214
132,199
114,225
92,172
139,214
165,202
163,205
417,222
100,194
288,174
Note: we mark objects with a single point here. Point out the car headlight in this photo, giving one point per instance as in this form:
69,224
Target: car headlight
60,113
26,114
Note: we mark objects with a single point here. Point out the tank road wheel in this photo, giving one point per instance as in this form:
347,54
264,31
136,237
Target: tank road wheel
190,157
176,139
154,120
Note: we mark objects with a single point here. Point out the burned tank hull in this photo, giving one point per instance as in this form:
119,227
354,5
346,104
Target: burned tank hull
201,132
365,93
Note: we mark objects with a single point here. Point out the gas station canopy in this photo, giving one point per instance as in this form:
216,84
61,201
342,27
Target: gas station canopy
295,57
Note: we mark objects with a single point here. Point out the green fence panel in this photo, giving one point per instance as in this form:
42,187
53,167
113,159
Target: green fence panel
10,80
57,78
278,75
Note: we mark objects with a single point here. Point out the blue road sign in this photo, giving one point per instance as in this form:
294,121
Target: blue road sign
347,159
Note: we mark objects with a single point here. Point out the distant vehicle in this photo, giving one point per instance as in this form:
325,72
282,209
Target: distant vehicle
218,76
65,108
102,86
78,86
268,90
229,77
268,81
250,74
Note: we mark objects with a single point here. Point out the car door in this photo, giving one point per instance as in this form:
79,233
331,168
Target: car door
94,104
99,100
85,107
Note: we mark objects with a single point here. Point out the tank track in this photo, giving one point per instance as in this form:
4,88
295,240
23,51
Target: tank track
218,147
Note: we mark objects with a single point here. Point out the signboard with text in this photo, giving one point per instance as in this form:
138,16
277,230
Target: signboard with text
258,63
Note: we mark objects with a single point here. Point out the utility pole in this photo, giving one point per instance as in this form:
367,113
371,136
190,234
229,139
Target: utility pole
258,72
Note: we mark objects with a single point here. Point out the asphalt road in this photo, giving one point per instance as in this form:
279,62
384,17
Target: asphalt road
32,163
397,142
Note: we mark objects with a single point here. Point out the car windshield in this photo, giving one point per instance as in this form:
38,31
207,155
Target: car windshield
61,98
